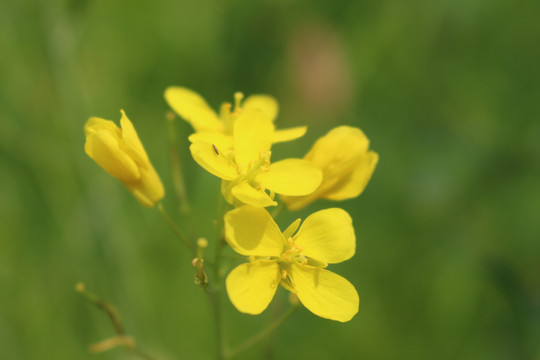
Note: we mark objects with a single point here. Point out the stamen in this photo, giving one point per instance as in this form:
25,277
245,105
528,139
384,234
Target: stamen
238,97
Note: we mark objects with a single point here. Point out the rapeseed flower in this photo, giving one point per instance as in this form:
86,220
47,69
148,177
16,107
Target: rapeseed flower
294,259
122,155
347,166
219,130
245,168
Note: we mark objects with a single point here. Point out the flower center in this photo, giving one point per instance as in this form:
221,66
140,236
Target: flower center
293,253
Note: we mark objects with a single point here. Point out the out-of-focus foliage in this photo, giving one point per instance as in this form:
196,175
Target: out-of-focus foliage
447,263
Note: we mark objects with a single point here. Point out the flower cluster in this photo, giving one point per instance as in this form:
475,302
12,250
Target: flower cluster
235,146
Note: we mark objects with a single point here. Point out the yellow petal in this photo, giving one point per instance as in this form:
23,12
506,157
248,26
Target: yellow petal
193,108
252,286
347,166
291,177
289,134
212,160
95,124
149,189
265,103
222,141
131,141
250,230
325,293
327,235
248,195
252,137
104,148
341,145
291,229
356,182
121,153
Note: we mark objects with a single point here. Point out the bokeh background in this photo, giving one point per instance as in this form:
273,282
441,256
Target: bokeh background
448,229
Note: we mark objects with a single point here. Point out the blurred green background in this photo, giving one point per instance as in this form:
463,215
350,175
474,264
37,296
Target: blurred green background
448,254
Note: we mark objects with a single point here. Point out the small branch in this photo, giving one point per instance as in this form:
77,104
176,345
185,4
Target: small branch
175,229
177,174
261,335
122,339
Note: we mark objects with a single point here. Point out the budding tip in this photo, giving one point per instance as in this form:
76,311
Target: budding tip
79,287
202,242
169,115
238,96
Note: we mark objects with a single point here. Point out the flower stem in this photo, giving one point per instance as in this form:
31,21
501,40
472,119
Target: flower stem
177,174
261,335
112,312
175,229
214,295
215,290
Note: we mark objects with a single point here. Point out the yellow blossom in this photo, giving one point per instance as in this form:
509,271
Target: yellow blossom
122,155
219,130
246,170
347,166
294,259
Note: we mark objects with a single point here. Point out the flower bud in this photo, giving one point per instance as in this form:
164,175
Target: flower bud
122,155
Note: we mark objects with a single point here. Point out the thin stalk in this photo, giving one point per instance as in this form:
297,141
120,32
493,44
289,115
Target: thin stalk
214,295
177,174
112,312
176,230
215,290
261,335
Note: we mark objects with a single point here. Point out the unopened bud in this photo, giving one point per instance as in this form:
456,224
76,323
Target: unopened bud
202,242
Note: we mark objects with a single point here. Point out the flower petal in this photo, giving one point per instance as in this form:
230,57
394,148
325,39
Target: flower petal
252,286
149,190
193,108
215,162
104,148
95,124
325,293
252,136
347,166
291,229
291,177
248,195
341,145
356,182
250,230
265,103
222,141
289,134
327,235
132,142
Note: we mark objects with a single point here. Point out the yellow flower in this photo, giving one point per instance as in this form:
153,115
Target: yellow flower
122,155
246,169
219,130
347,166
295,261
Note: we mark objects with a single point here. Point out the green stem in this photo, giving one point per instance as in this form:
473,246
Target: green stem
214,295
176,230
114,316
177,174
215,290
261,335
